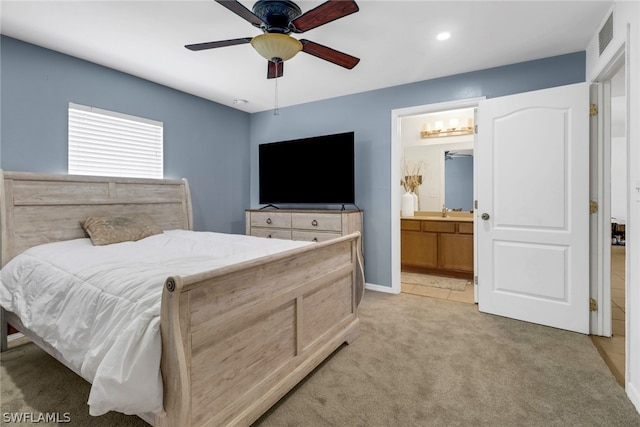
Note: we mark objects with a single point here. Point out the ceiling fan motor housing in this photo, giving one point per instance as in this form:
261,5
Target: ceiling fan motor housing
277,15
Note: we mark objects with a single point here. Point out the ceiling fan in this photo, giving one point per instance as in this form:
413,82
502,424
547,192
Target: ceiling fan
448,155
277,19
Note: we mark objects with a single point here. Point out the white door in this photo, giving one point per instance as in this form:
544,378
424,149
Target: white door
533,207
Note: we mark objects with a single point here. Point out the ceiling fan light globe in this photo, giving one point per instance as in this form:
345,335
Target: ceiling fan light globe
276,46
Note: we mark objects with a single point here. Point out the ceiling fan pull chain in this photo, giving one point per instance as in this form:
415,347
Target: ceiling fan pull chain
276,110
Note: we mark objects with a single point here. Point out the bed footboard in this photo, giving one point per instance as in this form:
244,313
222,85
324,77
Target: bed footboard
237,339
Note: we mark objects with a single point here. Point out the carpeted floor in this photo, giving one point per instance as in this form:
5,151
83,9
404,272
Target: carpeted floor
34,383
417,362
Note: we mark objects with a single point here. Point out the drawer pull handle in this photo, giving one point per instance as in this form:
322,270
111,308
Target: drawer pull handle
315,239
268,220
314,223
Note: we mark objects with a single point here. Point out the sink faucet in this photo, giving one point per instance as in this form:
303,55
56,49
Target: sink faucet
444,211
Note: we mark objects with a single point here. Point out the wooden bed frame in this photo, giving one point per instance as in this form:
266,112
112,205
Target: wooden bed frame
235,339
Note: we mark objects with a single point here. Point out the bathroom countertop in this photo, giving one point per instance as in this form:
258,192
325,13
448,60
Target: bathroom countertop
437,216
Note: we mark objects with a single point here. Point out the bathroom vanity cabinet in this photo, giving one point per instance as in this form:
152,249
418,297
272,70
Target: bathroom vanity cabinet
441,246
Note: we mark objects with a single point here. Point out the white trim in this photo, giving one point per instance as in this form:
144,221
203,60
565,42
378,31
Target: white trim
602,292
15,336
634,395
630,305
600,239
626,36
396,155
379,288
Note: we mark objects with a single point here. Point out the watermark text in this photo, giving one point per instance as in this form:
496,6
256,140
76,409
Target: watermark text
36,417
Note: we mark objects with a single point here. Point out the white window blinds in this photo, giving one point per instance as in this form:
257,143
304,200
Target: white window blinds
112,144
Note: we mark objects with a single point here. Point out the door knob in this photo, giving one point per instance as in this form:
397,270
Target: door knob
485,216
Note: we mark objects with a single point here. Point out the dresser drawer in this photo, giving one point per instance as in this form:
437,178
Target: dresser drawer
272,233
271,219
313,236
303,225
317,221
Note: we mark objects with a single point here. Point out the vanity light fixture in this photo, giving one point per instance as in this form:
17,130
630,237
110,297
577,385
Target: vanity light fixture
453,128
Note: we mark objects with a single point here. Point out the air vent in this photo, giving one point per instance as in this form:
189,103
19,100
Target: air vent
606,34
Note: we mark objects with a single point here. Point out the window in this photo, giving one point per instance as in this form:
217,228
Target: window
112,144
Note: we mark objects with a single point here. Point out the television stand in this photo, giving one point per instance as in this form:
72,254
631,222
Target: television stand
275,207
303,224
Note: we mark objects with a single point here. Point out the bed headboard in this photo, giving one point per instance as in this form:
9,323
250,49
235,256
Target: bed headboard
43,208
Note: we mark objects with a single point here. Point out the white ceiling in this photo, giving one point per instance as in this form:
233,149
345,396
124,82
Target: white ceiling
396,41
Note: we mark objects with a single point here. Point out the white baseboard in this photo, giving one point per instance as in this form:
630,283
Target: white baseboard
379,288
634,396
14,336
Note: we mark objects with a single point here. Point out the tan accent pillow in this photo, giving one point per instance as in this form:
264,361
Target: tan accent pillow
122,228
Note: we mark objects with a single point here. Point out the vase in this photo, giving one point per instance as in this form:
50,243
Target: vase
416,204
408,204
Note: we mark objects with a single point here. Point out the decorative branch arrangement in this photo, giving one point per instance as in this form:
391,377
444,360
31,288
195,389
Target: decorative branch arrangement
412,175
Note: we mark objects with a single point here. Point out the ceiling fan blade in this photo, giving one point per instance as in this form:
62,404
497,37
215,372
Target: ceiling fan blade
237,8
326,12
221,43
328,54
275,69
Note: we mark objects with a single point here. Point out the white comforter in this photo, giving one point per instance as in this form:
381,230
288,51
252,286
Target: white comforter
99,306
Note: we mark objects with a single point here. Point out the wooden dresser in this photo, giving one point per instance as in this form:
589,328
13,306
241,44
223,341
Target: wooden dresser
308,225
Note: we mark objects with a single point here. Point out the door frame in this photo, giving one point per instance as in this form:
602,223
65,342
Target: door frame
600,244
396,156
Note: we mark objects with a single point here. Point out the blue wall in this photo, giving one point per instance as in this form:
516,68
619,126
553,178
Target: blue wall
216,147
205,142
369,115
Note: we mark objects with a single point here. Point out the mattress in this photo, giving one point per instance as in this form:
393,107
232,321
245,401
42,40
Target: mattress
99,306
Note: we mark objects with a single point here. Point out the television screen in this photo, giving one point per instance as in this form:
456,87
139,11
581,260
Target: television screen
310,170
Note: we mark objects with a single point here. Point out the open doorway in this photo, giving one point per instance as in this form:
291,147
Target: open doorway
436,233
432,133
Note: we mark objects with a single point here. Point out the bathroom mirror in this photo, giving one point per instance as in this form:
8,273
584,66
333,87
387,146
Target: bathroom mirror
458,180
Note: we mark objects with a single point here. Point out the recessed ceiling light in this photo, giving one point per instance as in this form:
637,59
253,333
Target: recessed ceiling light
443,36
240,101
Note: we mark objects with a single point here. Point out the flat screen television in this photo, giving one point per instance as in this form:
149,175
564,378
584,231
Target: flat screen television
317,170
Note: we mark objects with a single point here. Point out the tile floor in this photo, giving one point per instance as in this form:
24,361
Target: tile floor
426,291
612,349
